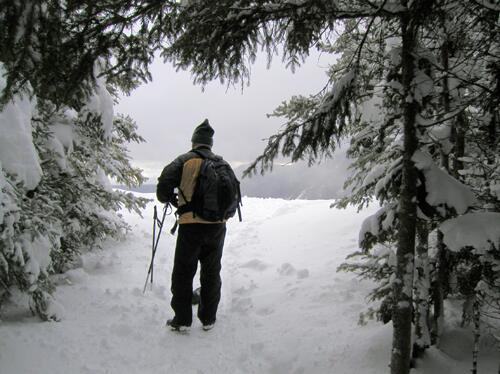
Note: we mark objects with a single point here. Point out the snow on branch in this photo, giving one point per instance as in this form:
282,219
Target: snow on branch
478,230
378,226
17,152
100,103
442,190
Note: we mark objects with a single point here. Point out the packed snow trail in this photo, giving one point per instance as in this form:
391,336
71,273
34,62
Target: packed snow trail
284,308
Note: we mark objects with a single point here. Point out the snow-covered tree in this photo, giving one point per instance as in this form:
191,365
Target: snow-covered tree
58,202
51,47
453,84
392,91
61,64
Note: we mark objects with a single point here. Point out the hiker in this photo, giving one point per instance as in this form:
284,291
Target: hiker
198,239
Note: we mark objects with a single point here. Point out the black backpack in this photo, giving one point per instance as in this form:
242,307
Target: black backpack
216,195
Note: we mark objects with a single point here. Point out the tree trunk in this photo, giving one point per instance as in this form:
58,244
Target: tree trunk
477,334
422,286
494,117
445,96
459,144
403,284
440,280
441,271
498,349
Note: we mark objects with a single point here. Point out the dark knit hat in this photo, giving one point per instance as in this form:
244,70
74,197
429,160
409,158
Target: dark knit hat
203,134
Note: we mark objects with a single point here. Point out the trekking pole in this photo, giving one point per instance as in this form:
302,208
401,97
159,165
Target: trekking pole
156,239
153,247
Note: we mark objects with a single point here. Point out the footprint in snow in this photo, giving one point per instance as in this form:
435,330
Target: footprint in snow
243,291
137,292
288,269
303,273
160,291
255,264
264,311
242,305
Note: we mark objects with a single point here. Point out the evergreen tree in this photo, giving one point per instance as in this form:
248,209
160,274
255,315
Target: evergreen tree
389,91
53,46
60,63
72,208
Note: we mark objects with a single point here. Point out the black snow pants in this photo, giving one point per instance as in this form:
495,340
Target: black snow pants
197,242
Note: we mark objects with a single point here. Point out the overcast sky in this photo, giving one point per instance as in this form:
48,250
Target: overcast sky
169,108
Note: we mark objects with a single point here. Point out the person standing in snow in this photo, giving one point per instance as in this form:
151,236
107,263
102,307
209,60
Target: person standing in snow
197,240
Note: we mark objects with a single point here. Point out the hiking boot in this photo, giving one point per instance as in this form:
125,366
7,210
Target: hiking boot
208,326
174,326
195,300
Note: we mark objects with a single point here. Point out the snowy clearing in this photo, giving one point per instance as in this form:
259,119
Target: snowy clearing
284,307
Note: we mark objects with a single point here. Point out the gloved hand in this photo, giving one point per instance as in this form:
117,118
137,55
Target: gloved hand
174,200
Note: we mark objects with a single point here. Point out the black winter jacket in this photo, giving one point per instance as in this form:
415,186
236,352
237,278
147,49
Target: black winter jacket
171,176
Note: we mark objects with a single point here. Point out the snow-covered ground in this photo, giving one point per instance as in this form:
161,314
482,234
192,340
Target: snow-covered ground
284,307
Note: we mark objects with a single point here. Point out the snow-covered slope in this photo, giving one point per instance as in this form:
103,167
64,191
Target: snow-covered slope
284,307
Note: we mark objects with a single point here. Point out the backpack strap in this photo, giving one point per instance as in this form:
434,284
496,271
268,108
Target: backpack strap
176,223
183,208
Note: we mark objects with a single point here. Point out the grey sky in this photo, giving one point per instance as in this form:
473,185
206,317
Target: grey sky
169,108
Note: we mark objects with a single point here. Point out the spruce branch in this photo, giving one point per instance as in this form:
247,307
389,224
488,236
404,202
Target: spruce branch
313,126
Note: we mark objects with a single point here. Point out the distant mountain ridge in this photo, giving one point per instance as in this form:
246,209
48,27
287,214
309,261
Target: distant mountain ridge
290,181
297,181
